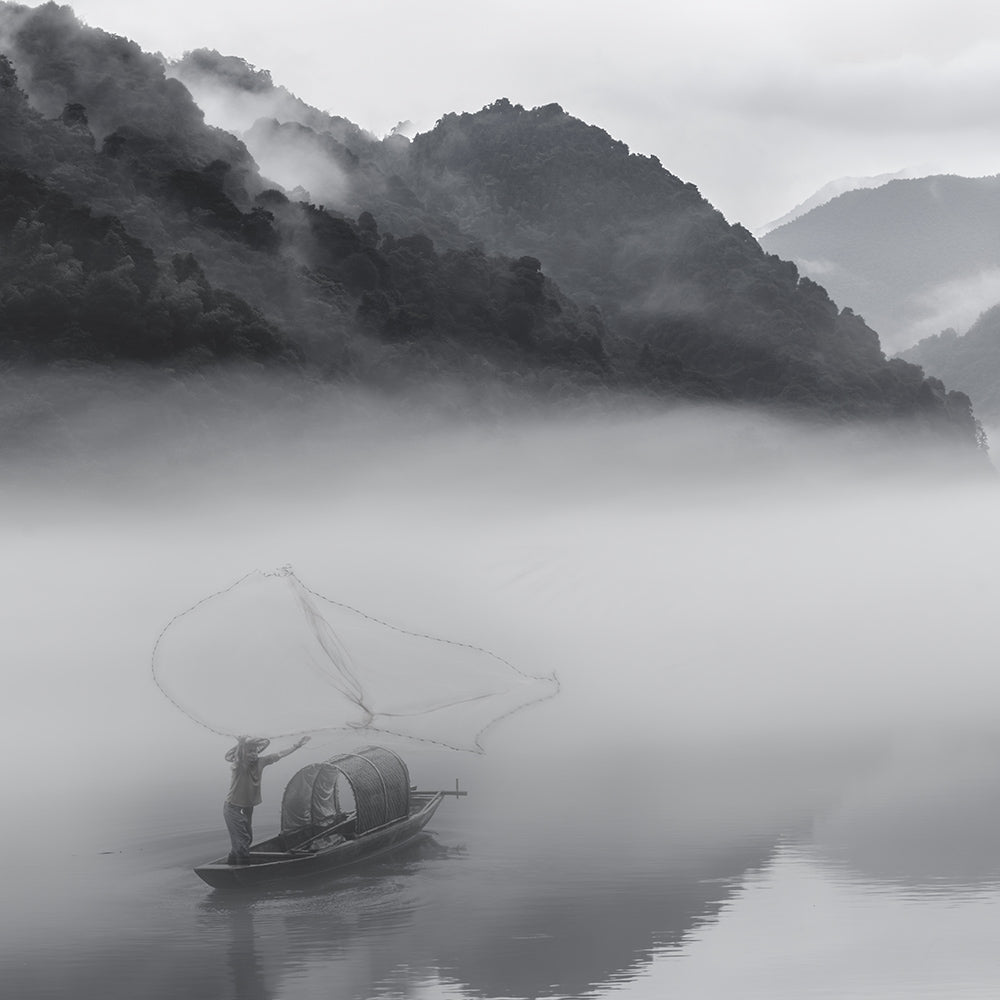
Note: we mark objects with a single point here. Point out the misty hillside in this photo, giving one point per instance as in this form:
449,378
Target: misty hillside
511,244
970,361
309,153
912,256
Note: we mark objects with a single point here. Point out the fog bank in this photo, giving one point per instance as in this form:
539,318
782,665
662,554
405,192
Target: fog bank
763,619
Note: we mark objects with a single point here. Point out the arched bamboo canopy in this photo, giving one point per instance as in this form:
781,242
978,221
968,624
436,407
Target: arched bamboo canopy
379,781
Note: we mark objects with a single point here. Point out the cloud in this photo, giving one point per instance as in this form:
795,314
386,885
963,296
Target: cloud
910,92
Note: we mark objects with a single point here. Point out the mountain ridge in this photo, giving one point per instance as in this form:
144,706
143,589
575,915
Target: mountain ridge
829,191
553,248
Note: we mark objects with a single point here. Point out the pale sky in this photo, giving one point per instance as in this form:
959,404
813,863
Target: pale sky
758,104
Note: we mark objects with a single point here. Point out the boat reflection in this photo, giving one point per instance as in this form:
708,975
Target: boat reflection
245,968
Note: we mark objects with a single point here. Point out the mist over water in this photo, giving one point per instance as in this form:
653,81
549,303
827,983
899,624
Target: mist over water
770,639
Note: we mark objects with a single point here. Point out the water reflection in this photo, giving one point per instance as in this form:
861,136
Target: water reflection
926,817
437,913
571,941
244,964
804,927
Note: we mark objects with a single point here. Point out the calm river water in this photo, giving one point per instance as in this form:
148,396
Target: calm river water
773,770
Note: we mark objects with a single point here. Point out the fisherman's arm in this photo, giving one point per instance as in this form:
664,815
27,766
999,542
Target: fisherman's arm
272,757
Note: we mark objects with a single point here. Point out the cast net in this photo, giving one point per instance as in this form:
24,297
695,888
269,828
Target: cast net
268,656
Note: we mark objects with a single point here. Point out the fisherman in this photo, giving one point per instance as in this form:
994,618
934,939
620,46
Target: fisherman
244,791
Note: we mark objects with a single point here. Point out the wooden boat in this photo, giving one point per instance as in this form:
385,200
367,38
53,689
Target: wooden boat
323,832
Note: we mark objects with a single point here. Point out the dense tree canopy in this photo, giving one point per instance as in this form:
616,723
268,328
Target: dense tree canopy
75,285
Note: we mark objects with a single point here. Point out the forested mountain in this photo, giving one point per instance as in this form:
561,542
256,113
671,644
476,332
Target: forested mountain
692,300
510,243
912,256
970,361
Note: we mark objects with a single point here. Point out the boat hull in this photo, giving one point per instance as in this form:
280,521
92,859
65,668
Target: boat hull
274,867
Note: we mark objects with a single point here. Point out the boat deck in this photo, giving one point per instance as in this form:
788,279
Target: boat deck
313,852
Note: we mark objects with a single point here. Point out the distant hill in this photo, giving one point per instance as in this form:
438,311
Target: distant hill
912,257
515,244
827,193
970,362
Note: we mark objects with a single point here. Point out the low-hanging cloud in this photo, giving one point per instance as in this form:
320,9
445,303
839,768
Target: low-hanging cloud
952,304
764,617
